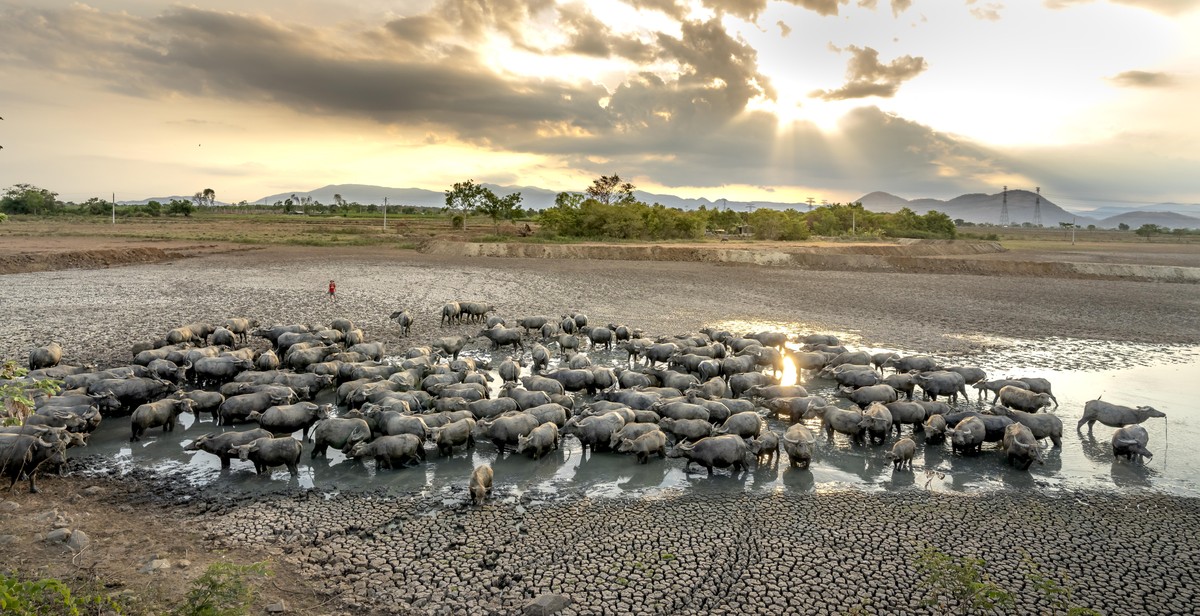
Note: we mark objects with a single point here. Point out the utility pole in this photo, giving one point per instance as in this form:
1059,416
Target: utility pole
1073,226
114,208
385,213
1004,209
1037,208
810,203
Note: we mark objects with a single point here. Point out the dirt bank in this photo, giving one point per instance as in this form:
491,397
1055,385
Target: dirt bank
43,254
909,256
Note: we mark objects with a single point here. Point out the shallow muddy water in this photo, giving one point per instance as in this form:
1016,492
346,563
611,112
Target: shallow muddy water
1079,371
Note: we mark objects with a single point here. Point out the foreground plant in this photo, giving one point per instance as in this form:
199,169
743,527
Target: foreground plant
50,596
961,580
223,590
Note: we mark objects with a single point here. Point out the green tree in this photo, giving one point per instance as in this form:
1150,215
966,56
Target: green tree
1123,227
610,190
29,199
466,197
1147,230
507,207
180,206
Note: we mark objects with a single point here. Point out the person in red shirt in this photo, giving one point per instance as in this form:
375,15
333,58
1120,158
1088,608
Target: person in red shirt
332,291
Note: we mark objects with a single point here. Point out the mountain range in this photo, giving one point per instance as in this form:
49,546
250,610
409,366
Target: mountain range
977,208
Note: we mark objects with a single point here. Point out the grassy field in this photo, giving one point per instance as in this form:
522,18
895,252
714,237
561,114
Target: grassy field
408,231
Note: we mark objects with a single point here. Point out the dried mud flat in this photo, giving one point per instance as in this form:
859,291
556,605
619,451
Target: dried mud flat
765,553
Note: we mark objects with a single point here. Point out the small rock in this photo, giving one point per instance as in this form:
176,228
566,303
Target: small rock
78,541
546,604
58,535
156,565
183,564
277,608
9,507
93,490
7,539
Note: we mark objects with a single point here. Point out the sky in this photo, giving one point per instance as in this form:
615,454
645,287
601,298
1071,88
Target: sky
751,100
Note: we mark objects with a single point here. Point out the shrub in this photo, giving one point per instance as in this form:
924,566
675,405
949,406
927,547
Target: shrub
962,579
223,590
49,596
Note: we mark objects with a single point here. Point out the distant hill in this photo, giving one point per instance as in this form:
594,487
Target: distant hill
1170,220
980,208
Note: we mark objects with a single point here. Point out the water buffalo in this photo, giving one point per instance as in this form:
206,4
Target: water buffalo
1130,441
902,453
220,444
723,451
942,383
1023,399
238,408
505,431
24,455
798,443
653,441
481,483
877,422
1114,415
834,419
290,418
341,432
1042,425
600,336
268,452
451,312
1039,386
745,425
541,440
935,428
501,336
967,436
864,396
403,319
765,446
391,451
45,357
162,413
594,431
1021,447
996,385
454,434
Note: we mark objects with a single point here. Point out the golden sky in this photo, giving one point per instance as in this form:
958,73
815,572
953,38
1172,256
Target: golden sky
743,99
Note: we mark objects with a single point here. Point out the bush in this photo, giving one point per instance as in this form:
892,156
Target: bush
49,596
3,217
222,590
962,579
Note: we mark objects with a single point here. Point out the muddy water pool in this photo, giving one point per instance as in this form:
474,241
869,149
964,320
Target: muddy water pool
1160,376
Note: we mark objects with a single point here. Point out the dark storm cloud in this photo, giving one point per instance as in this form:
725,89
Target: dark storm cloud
867,76
1142,79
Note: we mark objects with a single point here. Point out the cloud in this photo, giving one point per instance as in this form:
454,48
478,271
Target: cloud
589,36
1142,79
899,6
1166,7
987,12
867,76
751,9
784,29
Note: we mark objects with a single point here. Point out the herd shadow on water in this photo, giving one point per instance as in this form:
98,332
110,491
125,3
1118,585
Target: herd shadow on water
1083,462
